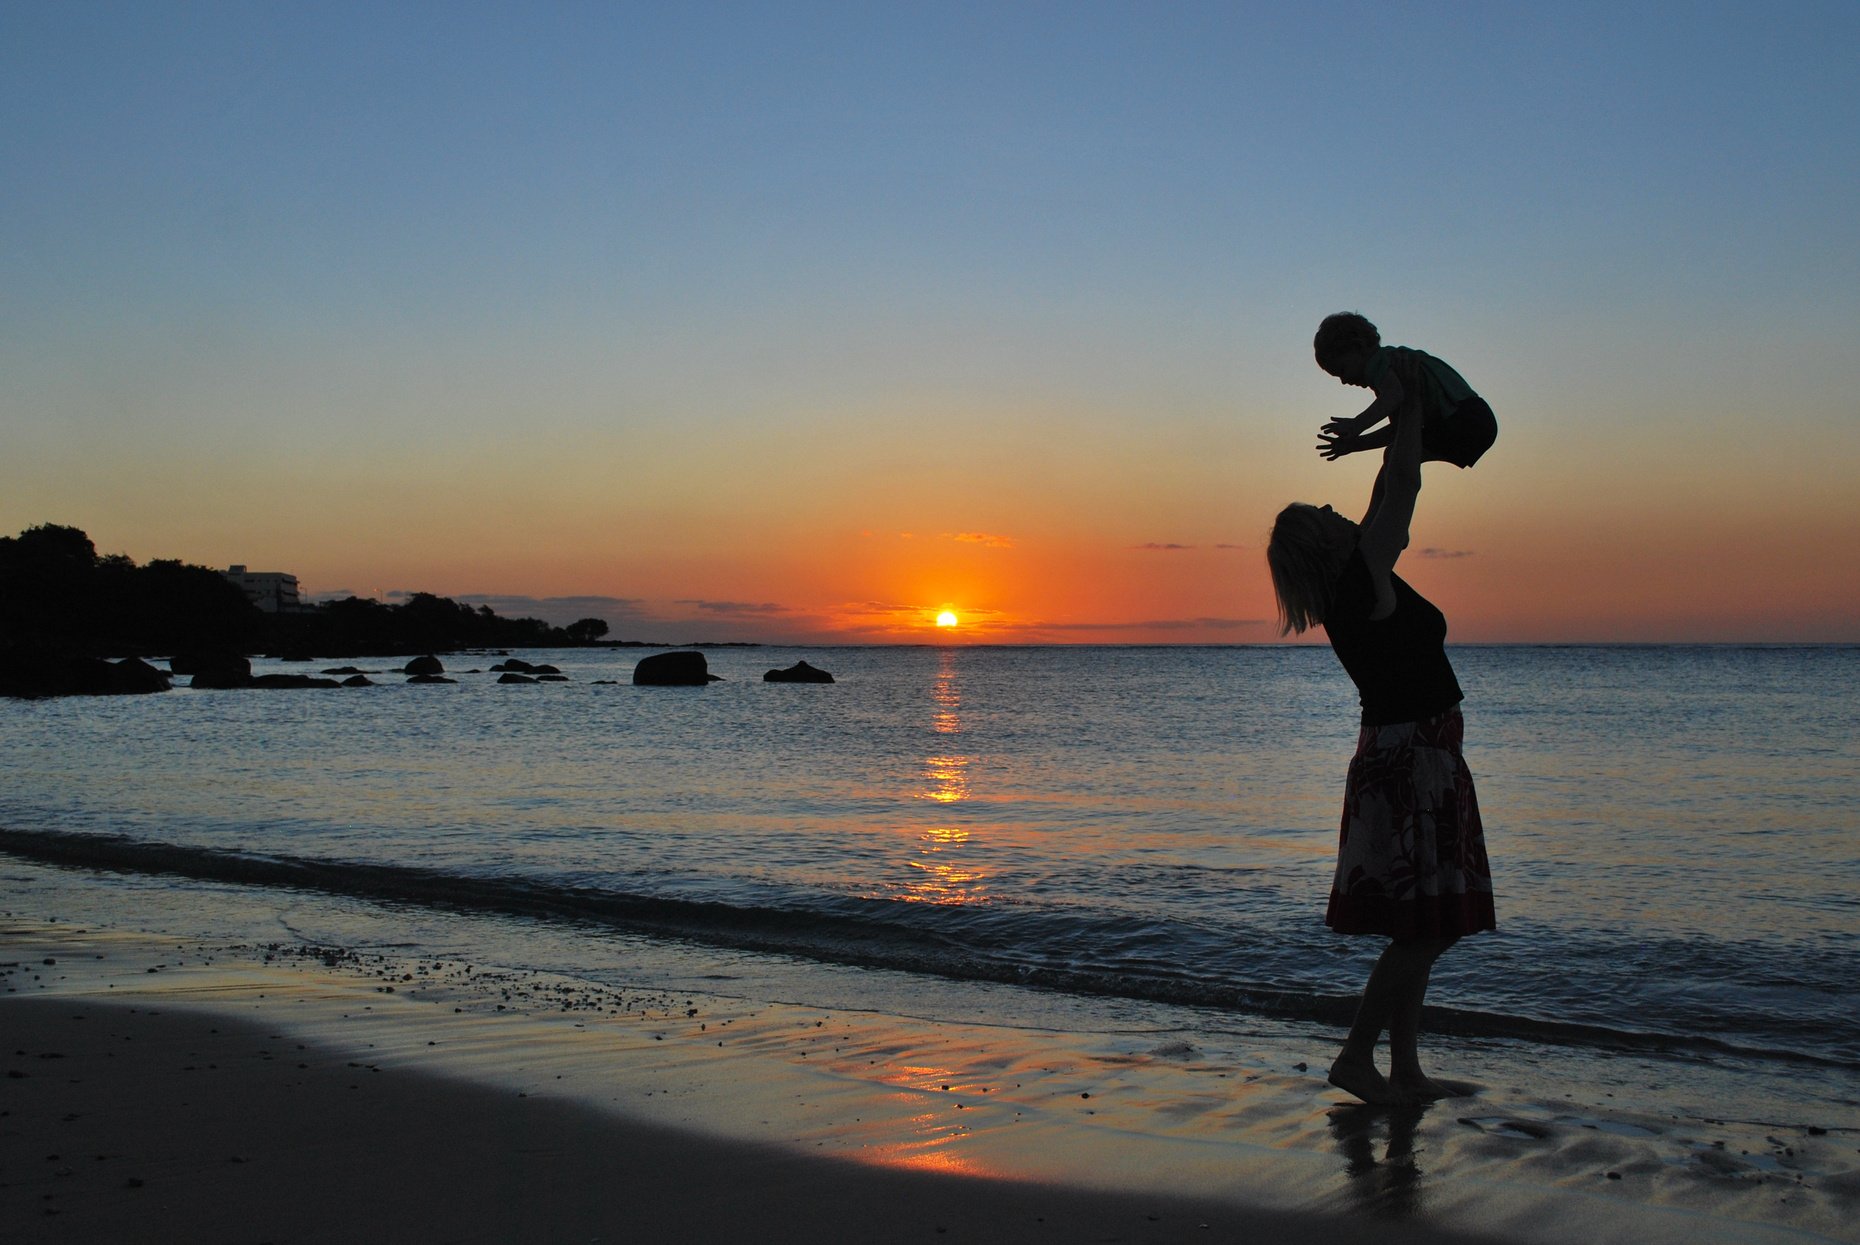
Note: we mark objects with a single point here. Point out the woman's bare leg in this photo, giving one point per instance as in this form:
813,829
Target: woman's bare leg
1391,1000
1406,1078
1354,1069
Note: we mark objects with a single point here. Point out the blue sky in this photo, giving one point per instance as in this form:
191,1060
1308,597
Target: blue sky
743,283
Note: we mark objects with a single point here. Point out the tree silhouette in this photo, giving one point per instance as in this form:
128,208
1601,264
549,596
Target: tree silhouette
586,630
57,594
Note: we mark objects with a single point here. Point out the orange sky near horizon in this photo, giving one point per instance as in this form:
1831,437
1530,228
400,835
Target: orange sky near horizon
1510,553
1100,523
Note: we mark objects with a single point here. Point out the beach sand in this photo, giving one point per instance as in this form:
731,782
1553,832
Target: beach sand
161,1089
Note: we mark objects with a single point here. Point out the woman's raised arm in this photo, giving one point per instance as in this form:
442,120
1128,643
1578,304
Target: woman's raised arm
1385,527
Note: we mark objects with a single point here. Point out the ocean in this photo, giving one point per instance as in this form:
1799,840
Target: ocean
1057,836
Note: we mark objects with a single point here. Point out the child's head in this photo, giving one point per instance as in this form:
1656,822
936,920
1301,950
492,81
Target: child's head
1343,338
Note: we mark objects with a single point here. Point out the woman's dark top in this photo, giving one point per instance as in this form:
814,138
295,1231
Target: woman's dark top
1399,663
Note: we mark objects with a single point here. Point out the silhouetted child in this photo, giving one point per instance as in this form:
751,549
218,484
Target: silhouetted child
1456,424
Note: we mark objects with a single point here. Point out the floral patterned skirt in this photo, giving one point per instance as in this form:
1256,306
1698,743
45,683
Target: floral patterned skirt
1411,856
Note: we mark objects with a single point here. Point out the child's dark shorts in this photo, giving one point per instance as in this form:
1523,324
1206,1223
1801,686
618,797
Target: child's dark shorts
1461,437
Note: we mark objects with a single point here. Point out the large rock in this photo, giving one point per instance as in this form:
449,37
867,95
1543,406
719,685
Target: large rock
424,665
799,672
213,670
26,671
511,676
135,675
680,669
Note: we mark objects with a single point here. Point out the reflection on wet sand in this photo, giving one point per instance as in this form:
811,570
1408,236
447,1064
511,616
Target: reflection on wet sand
1389,1186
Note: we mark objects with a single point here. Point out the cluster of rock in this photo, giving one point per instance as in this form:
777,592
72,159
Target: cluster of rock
31,672
231,670
35,673
516,670
689,669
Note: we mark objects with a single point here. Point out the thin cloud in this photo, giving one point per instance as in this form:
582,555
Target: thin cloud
1446,553
734,607
881,610
1161,547
988,540
1158,624
618,611
893,609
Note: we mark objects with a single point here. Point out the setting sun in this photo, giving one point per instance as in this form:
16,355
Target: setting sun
946,619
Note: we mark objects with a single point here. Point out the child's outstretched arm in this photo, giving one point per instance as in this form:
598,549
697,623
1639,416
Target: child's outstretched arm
1333,447
1347,436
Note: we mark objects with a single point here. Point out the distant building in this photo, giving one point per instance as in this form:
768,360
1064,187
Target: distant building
272,591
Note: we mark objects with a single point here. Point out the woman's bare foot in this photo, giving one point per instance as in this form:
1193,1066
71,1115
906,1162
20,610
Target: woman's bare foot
1365,1081
1417,1087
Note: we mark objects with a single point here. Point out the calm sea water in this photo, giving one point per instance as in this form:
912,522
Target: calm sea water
1673,829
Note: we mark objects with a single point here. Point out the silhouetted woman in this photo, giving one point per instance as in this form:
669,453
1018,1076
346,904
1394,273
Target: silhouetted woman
1411,862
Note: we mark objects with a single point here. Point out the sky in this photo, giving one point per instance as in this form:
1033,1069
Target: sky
806,322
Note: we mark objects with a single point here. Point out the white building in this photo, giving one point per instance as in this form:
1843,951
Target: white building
272,591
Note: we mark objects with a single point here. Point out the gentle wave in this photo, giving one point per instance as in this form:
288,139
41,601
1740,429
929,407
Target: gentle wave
1084,953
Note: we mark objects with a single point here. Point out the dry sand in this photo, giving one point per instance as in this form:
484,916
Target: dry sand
157,1090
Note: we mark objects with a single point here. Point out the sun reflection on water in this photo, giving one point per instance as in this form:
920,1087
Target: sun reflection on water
948,779
944,869
946,771
941,880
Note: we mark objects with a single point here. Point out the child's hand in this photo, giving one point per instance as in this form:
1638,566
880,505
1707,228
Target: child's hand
1337,438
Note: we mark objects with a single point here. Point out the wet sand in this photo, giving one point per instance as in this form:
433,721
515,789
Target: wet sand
157,1088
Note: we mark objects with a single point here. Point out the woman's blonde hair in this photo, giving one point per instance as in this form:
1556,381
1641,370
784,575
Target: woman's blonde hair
1303,562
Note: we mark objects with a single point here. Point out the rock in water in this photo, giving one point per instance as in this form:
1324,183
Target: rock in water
424,665
30,672
132,674
214,670
207,661
799,672
680,669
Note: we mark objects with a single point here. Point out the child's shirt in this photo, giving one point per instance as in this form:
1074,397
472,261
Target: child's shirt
1427,383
